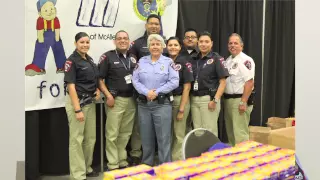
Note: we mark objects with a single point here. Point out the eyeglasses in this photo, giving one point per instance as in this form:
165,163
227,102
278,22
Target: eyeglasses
190,37
124,38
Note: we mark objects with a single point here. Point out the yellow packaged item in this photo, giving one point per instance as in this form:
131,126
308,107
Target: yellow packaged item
174,175
121,173
142,176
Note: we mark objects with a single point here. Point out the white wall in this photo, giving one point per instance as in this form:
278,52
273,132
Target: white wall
12,120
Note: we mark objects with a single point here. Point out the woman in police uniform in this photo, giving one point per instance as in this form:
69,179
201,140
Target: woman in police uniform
209,83
180,105
81,76
154,78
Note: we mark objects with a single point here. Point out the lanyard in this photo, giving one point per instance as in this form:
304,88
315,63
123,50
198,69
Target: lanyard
125,66
198,70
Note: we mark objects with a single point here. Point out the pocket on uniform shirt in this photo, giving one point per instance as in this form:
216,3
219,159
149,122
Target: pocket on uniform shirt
234,75
162,75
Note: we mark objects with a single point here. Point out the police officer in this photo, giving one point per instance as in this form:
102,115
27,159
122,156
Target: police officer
81,76
190,48
154,78
139,49
238,93
181,104
208,86
116,67
190,43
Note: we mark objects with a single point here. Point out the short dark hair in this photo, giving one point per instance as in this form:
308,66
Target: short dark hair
205,33
153,16
190,30
173,38
80,35
120,32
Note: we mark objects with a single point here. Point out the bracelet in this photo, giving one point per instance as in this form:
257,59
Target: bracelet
80,110
181,111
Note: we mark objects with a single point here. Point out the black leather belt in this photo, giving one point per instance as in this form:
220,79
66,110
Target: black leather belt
200,93
232,96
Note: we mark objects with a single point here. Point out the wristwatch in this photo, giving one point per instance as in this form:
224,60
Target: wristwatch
216,100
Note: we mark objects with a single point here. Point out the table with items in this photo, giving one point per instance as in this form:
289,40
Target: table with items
247,160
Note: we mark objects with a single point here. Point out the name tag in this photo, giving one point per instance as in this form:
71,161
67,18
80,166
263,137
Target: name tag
195,86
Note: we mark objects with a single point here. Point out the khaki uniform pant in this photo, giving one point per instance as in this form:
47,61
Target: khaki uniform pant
237,125
201,115
119,126
179,128
82,138
135,141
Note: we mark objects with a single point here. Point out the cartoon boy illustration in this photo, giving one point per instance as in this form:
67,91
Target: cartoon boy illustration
48,33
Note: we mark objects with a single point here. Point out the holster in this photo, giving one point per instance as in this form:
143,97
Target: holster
161,98
142,98
86,99
251,98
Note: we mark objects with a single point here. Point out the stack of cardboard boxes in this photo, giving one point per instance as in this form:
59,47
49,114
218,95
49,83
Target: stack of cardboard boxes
280,132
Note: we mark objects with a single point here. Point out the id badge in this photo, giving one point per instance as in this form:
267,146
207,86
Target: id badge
128,78
171,98
195,86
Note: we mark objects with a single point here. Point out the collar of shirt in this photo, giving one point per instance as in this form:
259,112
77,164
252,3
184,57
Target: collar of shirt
161,58
236,57
75,52
208,56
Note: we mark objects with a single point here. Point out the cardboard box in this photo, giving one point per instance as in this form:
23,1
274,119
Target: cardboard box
259,134
284,138
278,123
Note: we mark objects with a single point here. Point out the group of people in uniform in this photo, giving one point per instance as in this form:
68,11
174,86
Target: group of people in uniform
154,90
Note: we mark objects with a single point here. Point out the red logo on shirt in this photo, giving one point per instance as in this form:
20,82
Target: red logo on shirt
102,58
248,64
189,67
67,66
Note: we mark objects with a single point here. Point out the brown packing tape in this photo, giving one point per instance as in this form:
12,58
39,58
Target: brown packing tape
278,123
259,134
283,138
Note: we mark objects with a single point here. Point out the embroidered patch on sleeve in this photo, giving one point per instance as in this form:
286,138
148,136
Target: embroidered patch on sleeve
248,64
67,66
102,58
189,67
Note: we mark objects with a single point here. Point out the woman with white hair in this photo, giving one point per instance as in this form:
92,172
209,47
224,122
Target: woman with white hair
154,77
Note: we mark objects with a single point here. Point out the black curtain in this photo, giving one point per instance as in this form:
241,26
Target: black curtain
279,60
221,18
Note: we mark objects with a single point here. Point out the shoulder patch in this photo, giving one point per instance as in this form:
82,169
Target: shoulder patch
223,62
247,63
133,60
102,58
173,65
67,65
210,61
178,67
189,67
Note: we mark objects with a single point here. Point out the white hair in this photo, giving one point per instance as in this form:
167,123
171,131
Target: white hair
155,37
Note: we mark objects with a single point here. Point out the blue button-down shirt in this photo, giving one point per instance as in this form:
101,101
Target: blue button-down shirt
159,75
